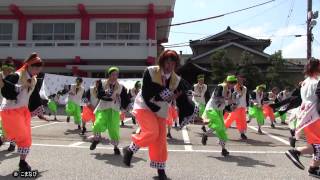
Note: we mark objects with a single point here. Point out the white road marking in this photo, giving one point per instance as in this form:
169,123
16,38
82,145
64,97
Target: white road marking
33,127
186,139
77,143
272,136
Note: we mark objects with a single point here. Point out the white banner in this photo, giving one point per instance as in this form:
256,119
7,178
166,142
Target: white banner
53,83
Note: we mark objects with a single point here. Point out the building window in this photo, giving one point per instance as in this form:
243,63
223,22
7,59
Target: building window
53,31
6,31
117,31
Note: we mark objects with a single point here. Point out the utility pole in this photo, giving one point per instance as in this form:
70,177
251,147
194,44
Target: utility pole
311,22
309,33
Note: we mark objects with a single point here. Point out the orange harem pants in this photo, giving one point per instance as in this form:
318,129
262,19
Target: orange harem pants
238,115
152,135
172,115
16,124
312,132
268,112
312,135
87,114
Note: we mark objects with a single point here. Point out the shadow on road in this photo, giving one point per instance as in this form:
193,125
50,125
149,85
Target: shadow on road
115,160
243,161
253,142
7,155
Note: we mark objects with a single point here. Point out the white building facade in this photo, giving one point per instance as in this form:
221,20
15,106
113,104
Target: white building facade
84,37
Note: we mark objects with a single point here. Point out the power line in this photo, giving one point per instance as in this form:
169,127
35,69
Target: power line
207,35
288,20
259,14
213,17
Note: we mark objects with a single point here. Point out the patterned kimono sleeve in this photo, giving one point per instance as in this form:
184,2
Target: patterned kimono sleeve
188,111
101,93
9,89
125,99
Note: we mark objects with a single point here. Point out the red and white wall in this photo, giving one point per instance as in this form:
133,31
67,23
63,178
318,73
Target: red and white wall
80,51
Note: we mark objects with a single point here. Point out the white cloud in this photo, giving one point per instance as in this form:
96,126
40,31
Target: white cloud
297,48
200,4
256,31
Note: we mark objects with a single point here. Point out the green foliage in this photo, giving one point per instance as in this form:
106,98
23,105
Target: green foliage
221,66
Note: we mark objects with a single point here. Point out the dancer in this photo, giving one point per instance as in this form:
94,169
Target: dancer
75,94
292,126
7,68
36,106
52,105
112,98
267,110
132,95
16,118
91,101
198,96
221,97
285,94
257,101
161,85
172,117
308,119
239,114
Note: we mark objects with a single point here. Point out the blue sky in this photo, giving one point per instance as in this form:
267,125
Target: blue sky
268,21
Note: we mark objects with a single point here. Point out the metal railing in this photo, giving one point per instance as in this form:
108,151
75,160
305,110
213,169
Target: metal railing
79,43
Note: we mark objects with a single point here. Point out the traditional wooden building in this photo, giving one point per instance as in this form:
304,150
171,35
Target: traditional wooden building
234,43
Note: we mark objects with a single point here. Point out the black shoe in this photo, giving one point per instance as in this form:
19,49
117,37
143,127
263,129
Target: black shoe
169,135
79,127
24,166
122,123
293,155
203,128
284,123
314,171
259,131
134,121
272,126
94,145
49,114
204,139
225,152
127,155
292,142
243,136
116,151
11,147
162,174
248,121
84,130
175,124
1,142
68,119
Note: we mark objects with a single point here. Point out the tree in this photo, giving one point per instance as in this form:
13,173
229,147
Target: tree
221,66
273,76
250,71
